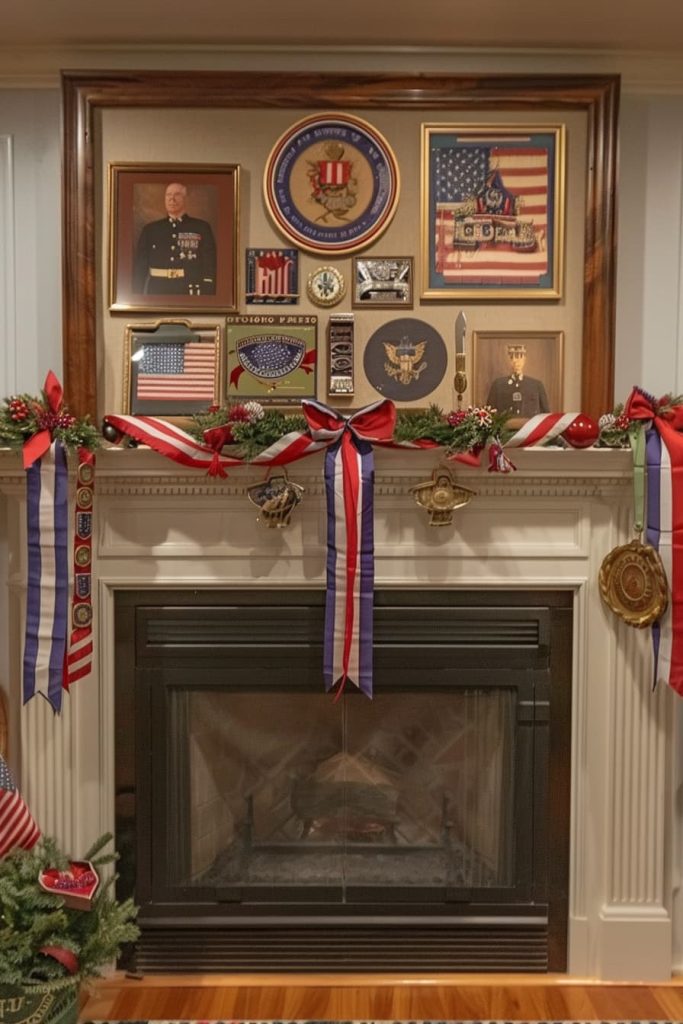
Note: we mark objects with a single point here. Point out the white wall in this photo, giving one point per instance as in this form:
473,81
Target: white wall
649,280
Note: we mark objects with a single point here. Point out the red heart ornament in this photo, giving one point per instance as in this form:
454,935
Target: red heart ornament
582,432
77,885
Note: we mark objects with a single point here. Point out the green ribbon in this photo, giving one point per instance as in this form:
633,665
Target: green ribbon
636,436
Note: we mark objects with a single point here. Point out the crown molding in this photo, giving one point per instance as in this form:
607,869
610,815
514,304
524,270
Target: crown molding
642,72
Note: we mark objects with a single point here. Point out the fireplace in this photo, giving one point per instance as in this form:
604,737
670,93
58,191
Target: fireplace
544,529
426,829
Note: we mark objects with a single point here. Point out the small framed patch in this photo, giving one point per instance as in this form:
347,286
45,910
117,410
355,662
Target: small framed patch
272,277
272,358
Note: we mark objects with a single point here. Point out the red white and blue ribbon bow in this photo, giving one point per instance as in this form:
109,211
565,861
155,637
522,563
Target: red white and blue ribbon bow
664,531
349,485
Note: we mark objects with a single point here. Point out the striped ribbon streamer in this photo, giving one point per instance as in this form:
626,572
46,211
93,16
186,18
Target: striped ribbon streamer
47,599
664,459
349,487
540,429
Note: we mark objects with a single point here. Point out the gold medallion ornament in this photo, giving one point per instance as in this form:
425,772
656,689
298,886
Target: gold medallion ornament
633,584
276,498
441,495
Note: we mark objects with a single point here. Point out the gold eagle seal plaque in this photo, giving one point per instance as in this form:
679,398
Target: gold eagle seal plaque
633,584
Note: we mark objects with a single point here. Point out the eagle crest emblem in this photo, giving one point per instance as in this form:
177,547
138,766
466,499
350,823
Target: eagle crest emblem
405,362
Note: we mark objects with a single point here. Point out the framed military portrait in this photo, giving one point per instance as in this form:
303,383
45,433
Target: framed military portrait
173,237
519,372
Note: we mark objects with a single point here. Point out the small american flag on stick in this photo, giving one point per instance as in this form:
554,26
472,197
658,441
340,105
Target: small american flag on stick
17,827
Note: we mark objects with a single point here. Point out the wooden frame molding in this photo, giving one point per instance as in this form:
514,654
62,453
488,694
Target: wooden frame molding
86,92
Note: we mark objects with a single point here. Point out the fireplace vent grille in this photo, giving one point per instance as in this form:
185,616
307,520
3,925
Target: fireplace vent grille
523,947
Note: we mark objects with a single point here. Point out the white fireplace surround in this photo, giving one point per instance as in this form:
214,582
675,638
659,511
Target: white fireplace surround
546,526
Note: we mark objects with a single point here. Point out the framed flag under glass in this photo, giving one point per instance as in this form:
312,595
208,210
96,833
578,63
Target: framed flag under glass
492,211
171,368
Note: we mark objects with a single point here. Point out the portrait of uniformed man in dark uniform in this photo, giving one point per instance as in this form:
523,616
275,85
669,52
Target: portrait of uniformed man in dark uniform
175,255
515,392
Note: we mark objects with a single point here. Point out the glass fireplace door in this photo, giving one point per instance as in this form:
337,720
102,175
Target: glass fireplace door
287,797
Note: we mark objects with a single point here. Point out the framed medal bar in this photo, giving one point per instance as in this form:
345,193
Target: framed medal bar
340,351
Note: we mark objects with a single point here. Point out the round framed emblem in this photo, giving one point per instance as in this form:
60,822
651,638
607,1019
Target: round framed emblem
331,183
633,583
405,359
326,286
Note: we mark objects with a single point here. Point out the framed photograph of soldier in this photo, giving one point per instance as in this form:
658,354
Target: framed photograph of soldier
520,372
272,277
382,282
272,359
173,232
171,368
493,207
331,184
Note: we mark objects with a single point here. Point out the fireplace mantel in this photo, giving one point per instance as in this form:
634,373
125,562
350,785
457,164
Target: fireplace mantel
548,525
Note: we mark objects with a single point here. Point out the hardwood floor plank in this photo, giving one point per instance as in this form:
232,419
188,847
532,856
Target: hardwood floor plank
383,998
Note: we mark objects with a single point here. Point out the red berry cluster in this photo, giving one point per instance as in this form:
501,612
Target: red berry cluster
48,420
456,418
622,422
18,410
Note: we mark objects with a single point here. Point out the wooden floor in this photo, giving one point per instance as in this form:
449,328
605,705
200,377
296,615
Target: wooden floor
380,997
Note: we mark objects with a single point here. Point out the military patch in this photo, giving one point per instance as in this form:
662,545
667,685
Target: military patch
84,497
86,473
82,555
81,615
82,584
405,359
84,525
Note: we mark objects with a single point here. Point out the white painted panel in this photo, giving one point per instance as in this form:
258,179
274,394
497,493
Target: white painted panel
8,374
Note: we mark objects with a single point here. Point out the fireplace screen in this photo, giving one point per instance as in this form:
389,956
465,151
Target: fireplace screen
289,790
278,826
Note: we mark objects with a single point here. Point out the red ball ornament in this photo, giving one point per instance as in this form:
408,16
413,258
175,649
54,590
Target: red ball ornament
582,432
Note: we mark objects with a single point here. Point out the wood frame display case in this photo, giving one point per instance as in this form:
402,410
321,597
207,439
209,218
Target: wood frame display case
86,94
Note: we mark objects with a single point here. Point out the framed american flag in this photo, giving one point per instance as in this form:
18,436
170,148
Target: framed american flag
492,211
171,368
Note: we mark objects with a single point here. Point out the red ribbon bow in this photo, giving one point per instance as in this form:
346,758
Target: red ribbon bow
36,446
374,423
641,406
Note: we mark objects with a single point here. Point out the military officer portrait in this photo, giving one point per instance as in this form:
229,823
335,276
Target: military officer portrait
515,391
175,255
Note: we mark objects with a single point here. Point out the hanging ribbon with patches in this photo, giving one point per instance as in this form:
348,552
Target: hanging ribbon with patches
349,486
664,460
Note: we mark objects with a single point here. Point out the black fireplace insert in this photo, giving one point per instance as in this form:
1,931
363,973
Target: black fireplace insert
264,826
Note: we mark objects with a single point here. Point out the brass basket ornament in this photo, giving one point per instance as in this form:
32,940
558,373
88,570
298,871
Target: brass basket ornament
440,496
276,498
633,584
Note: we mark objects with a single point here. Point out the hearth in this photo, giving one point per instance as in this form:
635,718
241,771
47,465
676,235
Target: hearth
263,826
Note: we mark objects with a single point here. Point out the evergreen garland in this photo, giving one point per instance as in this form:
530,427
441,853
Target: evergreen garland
253,429
31,918
23,416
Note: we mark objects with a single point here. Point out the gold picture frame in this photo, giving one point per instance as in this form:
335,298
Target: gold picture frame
495,381
493,211
171,368
167,258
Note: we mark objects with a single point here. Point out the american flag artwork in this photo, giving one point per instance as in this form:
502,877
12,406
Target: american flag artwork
17,827
176,371
492,203
272,276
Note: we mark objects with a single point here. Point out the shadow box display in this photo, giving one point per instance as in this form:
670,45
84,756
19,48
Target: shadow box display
171,368
331,165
